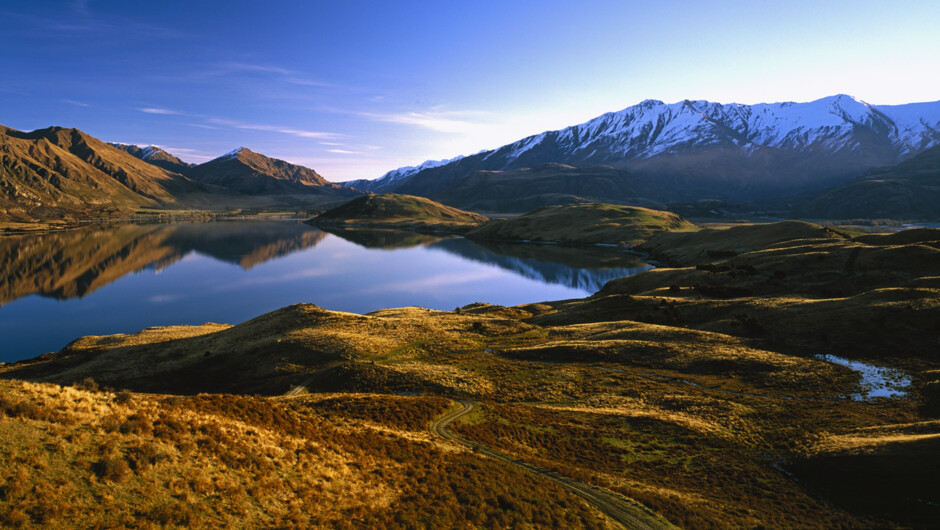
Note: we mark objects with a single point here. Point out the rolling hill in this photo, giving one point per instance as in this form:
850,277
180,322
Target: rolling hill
584,224
399,211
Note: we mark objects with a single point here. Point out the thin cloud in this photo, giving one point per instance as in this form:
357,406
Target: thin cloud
157,110
76,103
439,121
283,75
275,128
342,152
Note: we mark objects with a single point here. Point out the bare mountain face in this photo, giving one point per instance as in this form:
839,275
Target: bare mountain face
55,171
909,190
525,189
712,150
252,173
156,156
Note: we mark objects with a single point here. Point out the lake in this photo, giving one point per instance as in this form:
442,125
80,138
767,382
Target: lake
101,280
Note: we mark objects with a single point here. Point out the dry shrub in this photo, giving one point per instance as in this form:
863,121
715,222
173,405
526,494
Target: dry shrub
124,397
143,455
88,384
111,468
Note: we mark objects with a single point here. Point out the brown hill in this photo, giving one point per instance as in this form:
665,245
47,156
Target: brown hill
711,244
156,156
252,173
584,224
909,190
400,211
57,171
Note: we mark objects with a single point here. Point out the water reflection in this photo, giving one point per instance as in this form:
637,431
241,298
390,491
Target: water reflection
381,238
75,263
584,268
100,280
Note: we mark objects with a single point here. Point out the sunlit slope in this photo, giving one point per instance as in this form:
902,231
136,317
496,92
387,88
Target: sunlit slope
402,211
584,224
81,457
58,171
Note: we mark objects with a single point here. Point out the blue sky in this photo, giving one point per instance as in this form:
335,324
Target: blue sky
353,89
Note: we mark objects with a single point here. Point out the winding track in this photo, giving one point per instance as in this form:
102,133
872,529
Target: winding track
624,512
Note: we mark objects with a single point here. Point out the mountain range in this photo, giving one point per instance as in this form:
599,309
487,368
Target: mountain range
834,157
57,171
707,150
156,156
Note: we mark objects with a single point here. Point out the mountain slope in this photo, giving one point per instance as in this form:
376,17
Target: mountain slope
720,150
252,173
909,190
522,190
582,224
156,156
55,171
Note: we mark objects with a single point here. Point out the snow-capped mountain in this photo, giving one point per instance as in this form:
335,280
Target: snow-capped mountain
719,150
154,155
395,177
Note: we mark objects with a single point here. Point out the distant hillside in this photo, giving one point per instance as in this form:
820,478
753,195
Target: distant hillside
252,173
584,224
58,171
724,151
403,211
156,156
909,190
525,189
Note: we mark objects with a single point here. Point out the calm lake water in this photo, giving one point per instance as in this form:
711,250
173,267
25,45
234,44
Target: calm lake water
56,287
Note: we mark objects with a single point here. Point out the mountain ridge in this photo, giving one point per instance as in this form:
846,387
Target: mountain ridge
59,170
731,151
155,155
252,173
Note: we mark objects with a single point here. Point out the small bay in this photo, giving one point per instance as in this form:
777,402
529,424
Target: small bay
100,280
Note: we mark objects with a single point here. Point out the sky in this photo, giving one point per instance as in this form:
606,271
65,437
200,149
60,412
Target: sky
353,89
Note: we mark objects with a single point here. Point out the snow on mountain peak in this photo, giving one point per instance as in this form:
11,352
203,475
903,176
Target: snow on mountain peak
233,154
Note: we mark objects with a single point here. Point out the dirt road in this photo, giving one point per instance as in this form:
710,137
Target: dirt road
620,509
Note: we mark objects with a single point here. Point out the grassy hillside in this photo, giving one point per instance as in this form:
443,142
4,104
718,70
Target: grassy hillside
693,390
525,189
399,211
81,457
584,224
909,190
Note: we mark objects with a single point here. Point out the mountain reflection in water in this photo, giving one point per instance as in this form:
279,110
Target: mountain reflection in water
105,279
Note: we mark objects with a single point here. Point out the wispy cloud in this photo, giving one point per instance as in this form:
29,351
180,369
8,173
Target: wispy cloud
76,103
275,128
158,110
440,121
342,152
